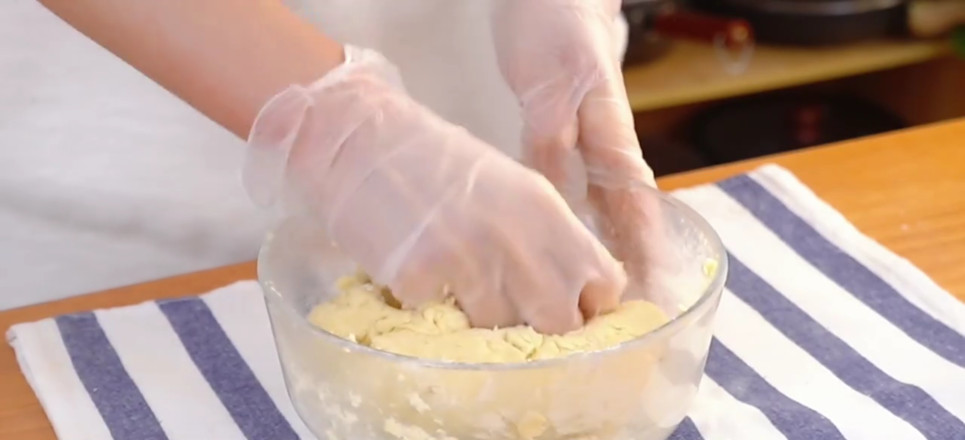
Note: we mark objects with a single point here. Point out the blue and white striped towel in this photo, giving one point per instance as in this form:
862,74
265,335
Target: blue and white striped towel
822,334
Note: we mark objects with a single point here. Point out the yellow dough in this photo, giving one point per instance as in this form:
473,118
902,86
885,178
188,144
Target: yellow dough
365,313
632,393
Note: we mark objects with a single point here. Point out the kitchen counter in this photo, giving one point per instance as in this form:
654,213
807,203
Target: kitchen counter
691,72
905,189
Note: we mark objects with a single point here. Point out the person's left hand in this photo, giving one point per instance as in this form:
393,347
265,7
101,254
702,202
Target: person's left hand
562,60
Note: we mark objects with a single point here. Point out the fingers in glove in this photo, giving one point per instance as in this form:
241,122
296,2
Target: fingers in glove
602,294
453,268
544,300
605,288
422,280
608,140
485,304
633,226
429,260
561,302
554,288
617,177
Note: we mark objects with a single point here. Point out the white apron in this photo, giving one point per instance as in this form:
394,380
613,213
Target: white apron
106,179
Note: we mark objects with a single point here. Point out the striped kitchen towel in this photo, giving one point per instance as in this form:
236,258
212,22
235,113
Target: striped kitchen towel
822,334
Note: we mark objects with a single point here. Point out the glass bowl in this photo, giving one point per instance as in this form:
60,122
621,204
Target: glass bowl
638,390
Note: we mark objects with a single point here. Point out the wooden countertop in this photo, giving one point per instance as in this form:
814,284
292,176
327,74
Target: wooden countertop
690,72
905,189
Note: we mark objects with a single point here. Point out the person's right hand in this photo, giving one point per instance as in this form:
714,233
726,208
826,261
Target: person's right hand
424,206
560,58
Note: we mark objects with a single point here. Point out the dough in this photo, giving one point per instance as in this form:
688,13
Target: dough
638,392
367,314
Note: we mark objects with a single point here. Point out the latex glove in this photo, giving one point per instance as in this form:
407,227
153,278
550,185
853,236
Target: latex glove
562,60
423,206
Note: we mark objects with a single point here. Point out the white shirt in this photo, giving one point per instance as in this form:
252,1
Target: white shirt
106,179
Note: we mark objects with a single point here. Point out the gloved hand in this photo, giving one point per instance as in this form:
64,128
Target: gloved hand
424,206
561,59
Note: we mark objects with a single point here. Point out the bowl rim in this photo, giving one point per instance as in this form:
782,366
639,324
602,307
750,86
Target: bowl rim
714,288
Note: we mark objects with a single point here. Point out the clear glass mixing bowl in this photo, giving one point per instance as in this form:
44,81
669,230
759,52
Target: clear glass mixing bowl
639,390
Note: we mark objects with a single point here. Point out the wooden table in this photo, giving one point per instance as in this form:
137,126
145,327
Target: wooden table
905,189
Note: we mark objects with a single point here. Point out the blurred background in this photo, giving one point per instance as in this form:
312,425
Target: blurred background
715,81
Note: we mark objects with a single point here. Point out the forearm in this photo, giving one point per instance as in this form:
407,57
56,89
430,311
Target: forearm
226,58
